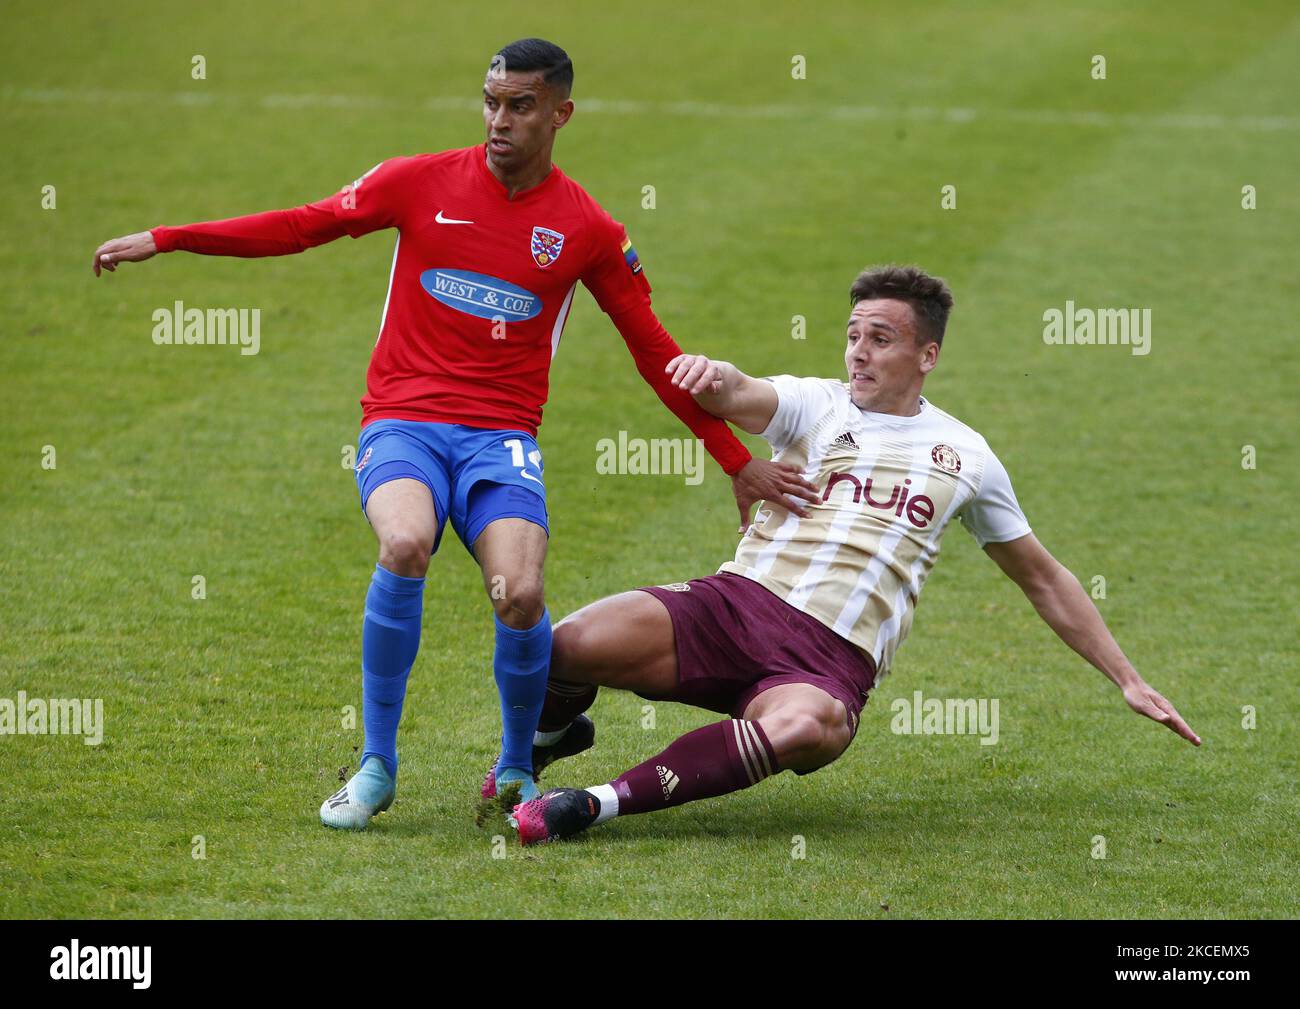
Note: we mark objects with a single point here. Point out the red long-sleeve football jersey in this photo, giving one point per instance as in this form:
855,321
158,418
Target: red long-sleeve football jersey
480,288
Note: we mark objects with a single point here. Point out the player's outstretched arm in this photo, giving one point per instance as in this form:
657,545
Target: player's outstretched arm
272,233
725,391
1067,609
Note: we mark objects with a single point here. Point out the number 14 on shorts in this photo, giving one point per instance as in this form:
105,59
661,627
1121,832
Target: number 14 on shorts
517,458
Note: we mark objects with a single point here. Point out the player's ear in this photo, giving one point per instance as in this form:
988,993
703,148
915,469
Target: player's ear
929,357
563,113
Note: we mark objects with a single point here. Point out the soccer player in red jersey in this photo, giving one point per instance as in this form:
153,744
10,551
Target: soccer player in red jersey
492,242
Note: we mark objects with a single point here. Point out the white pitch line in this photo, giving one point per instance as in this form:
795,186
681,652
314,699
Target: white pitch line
703,110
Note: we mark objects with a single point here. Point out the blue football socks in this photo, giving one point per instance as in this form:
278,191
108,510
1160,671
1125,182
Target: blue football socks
520,665
390,638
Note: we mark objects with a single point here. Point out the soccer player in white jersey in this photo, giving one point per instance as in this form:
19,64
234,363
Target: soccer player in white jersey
789,638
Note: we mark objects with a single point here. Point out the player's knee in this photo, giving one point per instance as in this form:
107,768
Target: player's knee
809,738
405,552
572,644
566,646
519,602
805,736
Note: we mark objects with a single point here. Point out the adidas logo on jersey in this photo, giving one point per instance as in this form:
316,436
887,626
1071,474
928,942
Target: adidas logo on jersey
667,780
846,439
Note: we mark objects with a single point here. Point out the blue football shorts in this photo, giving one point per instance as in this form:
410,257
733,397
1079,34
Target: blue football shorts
476,475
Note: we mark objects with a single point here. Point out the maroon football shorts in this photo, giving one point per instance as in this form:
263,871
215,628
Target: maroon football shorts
736,639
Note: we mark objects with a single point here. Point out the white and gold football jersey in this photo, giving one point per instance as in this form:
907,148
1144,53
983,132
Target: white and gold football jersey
889,486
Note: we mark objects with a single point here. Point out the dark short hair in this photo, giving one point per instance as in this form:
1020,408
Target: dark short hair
929,297
538,54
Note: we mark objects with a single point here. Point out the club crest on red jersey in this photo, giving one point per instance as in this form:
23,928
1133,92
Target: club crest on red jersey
946,458
546,246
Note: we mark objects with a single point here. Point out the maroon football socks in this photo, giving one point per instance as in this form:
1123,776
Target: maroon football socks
564,702
713,760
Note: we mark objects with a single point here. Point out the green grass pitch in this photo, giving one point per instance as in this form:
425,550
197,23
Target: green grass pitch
224,716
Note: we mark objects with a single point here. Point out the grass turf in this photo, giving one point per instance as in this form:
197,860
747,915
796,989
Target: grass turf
224,716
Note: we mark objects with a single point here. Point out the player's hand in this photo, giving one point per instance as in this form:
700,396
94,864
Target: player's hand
1146,700
765,480
129,249
695,373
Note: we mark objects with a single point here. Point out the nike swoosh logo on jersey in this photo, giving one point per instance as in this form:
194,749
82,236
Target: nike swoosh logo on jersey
449,220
